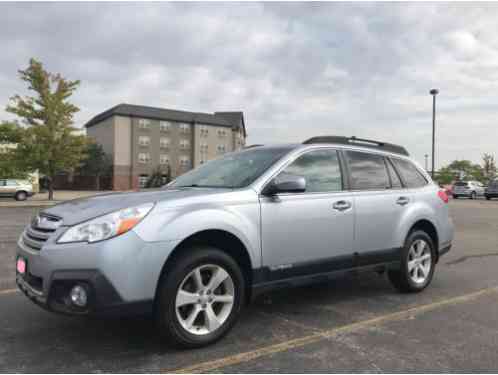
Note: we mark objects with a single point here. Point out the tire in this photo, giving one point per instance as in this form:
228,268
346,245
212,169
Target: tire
473,195
173,322
488,198
403,279
455,196
21,196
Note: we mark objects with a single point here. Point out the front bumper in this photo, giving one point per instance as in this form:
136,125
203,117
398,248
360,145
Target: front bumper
120,274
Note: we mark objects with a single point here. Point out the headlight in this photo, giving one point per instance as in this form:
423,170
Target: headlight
107,226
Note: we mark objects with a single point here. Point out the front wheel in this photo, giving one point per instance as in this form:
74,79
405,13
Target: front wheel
417,264
200,297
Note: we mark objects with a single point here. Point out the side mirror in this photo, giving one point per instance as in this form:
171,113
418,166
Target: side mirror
286,183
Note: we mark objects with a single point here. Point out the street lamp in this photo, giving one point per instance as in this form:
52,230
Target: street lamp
433,92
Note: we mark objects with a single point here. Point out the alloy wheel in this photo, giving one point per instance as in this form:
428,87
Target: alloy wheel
205,299
419,261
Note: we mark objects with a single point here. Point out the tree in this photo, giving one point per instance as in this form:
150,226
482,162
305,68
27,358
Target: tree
488,166
49,144
460,169
97,163
10,135
156,178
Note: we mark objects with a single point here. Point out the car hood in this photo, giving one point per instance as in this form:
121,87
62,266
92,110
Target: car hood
80,210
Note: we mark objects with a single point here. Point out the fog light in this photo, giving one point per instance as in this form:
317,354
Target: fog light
79,296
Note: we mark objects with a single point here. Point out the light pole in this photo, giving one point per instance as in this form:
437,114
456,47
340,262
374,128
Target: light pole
433,92
426,162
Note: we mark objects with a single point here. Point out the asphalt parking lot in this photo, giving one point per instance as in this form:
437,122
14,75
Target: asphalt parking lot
350,325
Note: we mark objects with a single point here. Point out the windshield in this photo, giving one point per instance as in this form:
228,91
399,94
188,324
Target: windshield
234,170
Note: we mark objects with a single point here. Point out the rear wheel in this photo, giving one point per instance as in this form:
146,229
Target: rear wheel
455,196
488,197
21,196
417,264
200,297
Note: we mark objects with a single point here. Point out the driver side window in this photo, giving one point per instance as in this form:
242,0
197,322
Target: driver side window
320,168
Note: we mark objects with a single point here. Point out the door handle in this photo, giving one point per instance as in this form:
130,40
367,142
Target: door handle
402,201
341,205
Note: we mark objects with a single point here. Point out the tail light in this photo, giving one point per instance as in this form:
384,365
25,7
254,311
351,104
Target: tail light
444,197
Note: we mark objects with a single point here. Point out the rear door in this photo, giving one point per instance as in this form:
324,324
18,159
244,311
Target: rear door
380,201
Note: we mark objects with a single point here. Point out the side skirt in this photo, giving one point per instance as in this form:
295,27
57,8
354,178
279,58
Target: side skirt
266,278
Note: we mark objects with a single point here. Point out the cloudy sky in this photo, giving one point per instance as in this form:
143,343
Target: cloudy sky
296,70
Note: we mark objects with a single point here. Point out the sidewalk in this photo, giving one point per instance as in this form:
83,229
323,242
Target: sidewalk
41,199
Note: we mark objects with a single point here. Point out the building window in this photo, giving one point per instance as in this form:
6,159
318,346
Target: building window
184,144
184,128
164,142
222,133
163,159
142,180
204,130
221,149
144,157
204,147
143,123
185,162
143,140
164,126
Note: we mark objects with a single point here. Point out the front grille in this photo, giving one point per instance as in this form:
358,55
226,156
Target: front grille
40,230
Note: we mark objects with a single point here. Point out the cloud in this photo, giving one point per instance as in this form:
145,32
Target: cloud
295,69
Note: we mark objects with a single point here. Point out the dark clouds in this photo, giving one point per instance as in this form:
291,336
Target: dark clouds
296,70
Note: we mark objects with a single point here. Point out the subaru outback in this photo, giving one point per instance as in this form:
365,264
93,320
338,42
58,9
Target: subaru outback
196,251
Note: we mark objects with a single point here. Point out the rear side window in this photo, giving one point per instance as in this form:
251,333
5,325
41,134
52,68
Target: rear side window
395,181
321,170
368,171
410,174
461,183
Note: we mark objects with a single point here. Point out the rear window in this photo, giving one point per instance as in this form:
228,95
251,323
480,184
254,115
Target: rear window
368,171
461,183
412,177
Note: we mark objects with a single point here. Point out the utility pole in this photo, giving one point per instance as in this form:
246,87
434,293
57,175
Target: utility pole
433,92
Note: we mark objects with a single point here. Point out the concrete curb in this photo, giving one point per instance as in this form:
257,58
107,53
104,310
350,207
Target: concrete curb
29,204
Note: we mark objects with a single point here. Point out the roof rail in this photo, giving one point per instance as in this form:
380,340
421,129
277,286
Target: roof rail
252,146
384,146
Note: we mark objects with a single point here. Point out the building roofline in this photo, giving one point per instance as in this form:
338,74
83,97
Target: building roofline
132,110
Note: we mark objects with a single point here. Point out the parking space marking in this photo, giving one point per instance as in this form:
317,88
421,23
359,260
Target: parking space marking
326,334
8,291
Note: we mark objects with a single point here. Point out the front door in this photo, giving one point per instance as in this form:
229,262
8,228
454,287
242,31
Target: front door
309,232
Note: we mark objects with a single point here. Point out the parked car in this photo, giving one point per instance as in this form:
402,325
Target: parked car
470,189
195,252
20,190
492,190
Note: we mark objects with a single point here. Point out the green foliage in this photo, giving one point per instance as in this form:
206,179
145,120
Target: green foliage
96,163
489,166
10,132
156,178
463,169
48,144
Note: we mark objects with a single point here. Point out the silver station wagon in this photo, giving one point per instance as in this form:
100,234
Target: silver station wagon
196,251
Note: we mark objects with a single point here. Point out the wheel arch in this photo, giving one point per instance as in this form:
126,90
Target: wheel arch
221,239
428,227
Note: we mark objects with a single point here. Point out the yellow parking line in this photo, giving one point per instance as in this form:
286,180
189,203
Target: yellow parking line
325,334
8,291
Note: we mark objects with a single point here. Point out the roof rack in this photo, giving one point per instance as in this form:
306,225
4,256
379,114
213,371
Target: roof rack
384,146
252,146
